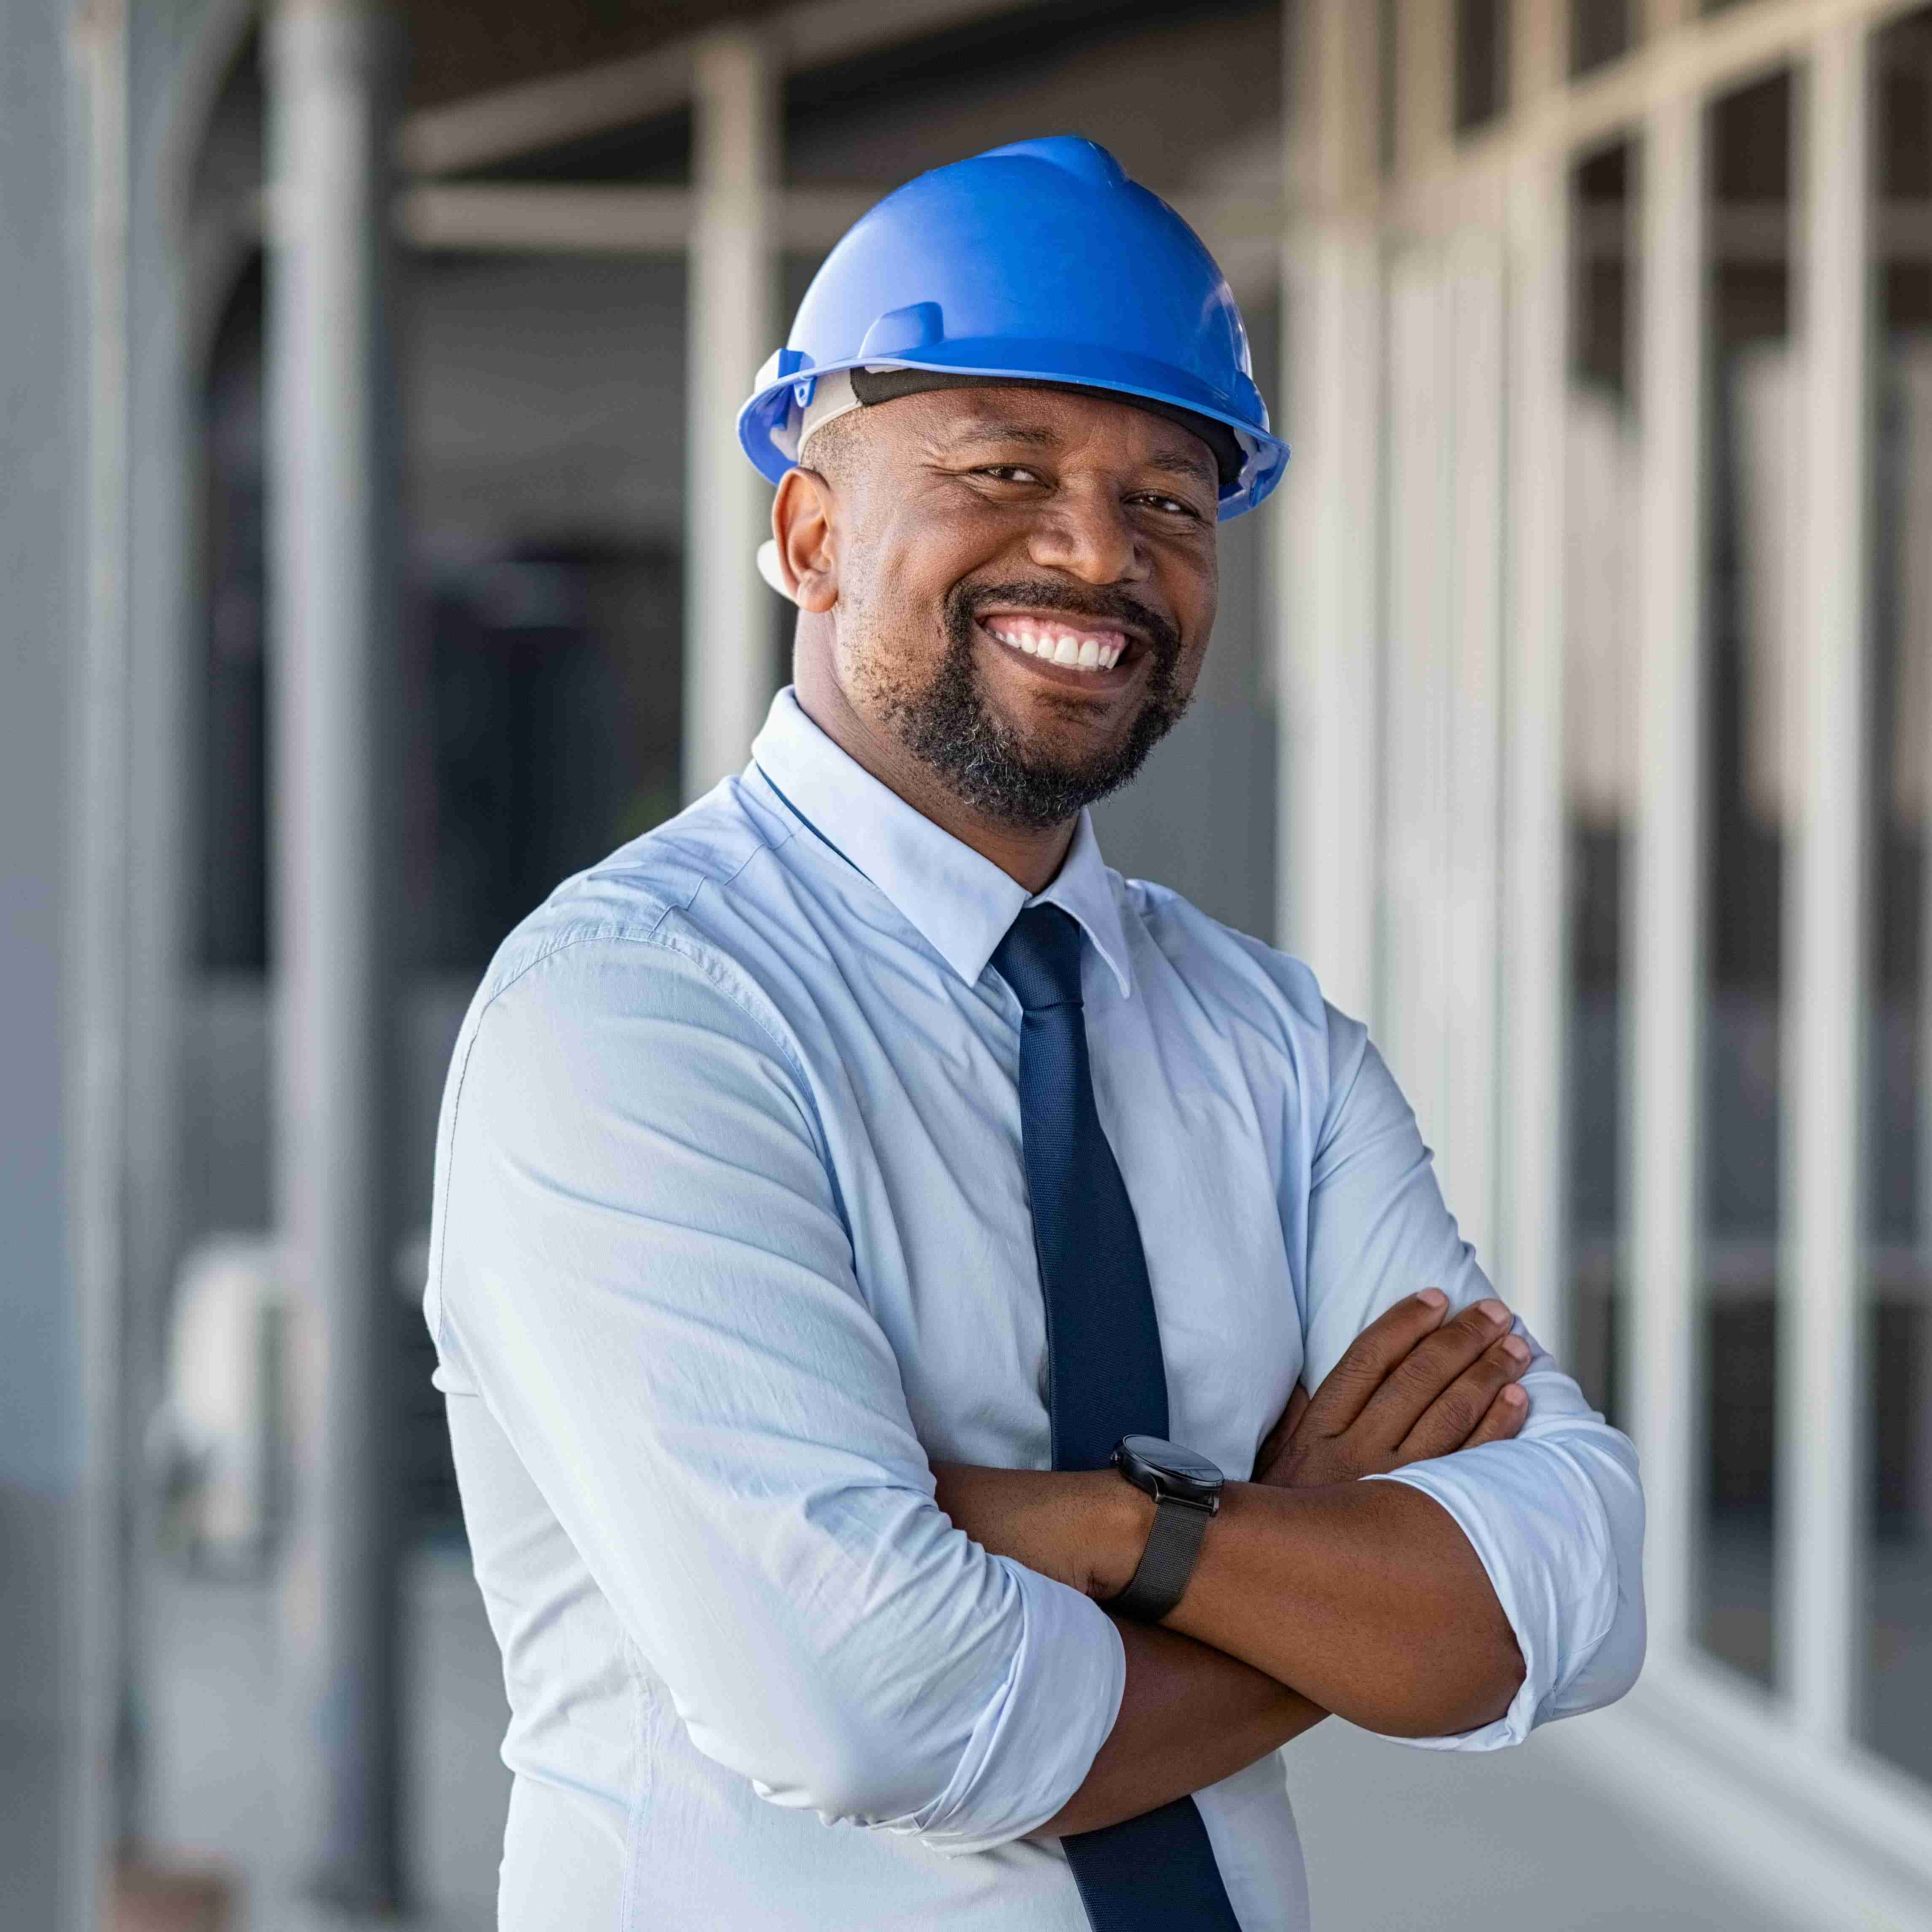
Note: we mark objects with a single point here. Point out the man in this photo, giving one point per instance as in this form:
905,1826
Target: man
878,1248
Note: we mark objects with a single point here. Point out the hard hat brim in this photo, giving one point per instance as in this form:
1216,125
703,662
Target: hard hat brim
768,420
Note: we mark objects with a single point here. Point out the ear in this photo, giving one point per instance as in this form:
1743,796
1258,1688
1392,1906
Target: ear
802,525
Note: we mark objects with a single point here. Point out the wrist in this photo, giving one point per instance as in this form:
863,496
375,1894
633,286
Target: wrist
1126,1522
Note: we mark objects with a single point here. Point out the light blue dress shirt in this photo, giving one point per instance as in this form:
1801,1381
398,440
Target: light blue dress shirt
731,1237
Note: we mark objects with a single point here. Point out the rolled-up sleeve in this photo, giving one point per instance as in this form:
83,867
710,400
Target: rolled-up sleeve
1556,1515
642,1270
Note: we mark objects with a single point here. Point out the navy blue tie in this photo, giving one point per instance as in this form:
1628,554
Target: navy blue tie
1106,1379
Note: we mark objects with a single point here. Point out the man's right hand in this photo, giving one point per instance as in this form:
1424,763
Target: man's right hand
1410,1387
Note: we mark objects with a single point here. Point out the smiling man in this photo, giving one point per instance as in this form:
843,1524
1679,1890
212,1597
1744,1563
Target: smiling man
882,1256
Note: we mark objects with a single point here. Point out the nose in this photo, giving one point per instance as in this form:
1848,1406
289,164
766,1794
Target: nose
1087,534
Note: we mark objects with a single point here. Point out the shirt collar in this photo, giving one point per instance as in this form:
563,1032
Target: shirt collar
963,904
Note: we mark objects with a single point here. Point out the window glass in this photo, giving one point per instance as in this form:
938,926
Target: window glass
544,439
1387,93
1898,1406
1482,61
1753,464
1600,510
232,742
1600,31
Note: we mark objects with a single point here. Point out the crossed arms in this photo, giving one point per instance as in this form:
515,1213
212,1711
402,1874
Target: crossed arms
1315,1591
643,1273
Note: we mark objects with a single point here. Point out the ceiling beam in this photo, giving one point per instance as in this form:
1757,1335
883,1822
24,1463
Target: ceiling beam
488,129
548,218
543,218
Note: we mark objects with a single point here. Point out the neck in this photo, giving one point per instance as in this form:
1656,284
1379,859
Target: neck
1029,857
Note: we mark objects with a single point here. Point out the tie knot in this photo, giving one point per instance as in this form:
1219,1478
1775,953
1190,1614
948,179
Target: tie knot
1039,959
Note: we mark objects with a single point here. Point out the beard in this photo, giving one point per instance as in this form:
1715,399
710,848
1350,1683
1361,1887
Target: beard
951,730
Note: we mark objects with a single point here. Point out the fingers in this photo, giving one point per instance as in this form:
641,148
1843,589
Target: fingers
1285,1423
1482,1404
1347,1389
1507,1413
1430,1369
1274,1444
1297,1407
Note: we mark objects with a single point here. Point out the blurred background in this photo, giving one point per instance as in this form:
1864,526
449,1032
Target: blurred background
376,551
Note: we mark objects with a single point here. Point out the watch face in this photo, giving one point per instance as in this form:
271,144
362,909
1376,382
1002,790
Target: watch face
1178,1471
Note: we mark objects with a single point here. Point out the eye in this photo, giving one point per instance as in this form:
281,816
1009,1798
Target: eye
1170,505
1009,472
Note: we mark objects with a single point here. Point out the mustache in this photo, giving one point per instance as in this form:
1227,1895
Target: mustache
1101,606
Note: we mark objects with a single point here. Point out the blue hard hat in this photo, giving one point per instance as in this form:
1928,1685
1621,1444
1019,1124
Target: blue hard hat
1039,263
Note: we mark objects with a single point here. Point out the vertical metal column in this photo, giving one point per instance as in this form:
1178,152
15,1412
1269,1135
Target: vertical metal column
1665,907
1533,1233
1420,619
729,331
1328,527
334,507
1472,874
100,1811
1821,1407
1419,666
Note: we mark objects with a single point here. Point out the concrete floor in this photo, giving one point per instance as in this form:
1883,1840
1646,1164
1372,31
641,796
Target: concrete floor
1402,1841
1396,1838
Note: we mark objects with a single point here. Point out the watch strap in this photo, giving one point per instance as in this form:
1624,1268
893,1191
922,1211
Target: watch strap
1166,1563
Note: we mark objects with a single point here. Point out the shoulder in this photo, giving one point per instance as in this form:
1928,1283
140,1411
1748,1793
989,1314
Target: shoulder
643,934
1219,962
1239,984
643,892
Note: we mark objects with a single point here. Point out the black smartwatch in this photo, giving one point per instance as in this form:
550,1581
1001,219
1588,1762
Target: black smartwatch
1186,1492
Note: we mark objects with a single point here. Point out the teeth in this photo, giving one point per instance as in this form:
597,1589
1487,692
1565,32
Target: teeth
1062,647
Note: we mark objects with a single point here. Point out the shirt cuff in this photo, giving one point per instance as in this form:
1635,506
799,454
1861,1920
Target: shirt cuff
1545,1547
1036,1741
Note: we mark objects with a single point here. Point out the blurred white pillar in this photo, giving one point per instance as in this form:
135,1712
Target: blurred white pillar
334,507
1418,621
1533,1270
1327,524
1419,668
1822,1407
1466,1140
1665,1040
730,331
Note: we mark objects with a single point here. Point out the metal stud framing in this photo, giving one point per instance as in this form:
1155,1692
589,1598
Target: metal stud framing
1665,915
1327,530
1472,516
1533,1157
334,481
1820,1411
728,654
1482,627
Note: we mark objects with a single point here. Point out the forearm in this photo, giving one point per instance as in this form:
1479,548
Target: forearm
1190,1716
1365,1597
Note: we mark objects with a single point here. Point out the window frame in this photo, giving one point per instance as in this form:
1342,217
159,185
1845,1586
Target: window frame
1794,1750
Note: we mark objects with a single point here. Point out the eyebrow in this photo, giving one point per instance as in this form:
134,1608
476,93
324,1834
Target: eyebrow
1038,436
1177,464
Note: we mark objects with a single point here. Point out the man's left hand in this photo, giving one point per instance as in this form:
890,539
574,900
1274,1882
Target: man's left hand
1411,1386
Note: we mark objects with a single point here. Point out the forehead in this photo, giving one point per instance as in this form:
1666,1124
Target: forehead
1029,416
